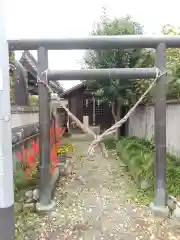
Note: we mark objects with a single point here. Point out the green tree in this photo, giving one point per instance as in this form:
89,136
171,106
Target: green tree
116,92
147,59
173,64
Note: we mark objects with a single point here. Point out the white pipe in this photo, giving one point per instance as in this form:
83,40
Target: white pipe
6,161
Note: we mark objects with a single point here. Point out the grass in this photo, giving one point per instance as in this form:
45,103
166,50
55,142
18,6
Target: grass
21,180
24,219
138,157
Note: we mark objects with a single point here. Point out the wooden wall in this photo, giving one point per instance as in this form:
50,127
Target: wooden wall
77,105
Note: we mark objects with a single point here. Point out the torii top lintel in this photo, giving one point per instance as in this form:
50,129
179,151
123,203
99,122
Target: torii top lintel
96,42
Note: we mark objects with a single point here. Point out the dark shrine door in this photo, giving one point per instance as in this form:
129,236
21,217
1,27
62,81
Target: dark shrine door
99,115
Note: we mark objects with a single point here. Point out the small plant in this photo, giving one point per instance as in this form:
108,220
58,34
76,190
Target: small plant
33,100
66,148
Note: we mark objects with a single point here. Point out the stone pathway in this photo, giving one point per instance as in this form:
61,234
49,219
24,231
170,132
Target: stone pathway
92,205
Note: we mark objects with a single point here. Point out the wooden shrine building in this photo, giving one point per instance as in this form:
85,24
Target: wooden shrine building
87,107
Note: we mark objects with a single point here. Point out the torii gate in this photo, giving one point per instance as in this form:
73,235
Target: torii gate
160,43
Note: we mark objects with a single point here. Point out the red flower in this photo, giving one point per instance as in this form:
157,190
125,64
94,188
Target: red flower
35,146
19,156
30,157
57,161
59,133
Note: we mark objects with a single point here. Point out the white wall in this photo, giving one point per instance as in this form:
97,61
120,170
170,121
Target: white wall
141,124
23,118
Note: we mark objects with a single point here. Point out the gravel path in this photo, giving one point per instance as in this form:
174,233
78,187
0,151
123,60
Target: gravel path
92,205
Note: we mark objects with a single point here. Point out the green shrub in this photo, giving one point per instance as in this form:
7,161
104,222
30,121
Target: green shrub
33,100
139,154
110,143
21,181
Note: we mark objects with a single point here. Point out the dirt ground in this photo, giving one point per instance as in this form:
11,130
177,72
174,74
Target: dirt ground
92,204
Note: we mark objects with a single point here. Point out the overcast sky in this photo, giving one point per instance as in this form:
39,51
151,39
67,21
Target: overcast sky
69,18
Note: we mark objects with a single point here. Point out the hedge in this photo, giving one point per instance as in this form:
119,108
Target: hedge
138,156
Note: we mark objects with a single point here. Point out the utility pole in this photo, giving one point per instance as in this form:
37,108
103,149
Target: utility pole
6,161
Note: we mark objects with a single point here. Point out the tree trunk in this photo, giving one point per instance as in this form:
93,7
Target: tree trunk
116,112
